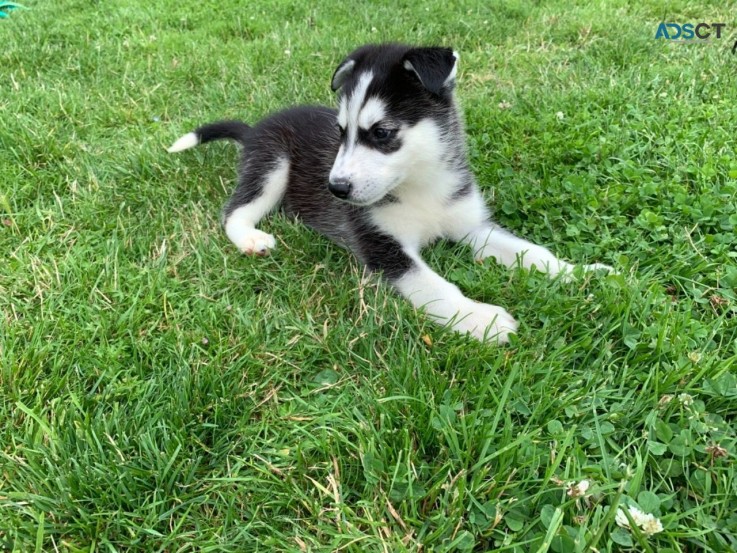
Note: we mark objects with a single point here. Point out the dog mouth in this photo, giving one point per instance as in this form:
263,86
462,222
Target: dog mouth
384,197
360,203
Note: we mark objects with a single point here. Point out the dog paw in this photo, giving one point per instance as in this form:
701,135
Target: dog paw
255,242
487,323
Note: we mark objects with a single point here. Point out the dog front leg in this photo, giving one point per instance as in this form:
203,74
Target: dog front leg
447,305
427,290
491,240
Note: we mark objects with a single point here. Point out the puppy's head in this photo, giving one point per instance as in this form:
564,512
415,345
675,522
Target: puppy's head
393,103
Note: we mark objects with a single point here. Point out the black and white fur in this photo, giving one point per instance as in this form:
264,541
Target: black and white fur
384,175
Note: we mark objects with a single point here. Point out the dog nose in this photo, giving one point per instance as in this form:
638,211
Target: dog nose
340,188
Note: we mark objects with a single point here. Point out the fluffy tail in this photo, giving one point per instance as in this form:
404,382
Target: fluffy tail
234,130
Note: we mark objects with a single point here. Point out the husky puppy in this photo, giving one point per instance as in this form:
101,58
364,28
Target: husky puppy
384,175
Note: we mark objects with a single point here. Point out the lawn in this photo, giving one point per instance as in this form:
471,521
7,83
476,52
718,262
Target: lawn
161,392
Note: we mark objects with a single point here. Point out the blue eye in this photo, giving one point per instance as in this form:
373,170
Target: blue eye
382,133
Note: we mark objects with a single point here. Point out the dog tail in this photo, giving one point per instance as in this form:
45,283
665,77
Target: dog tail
234,130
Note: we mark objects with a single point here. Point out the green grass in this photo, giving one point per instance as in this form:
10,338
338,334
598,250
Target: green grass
160,392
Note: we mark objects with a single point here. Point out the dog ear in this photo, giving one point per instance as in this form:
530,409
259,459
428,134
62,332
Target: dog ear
435,67
344,70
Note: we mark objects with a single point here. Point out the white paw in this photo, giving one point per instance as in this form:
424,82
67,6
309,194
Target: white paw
488,323
255,242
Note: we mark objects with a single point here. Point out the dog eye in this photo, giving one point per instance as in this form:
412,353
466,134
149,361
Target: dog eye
341,130
381,133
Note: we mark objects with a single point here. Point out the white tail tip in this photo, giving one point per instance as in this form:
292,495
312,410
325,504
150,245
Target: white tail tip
189,140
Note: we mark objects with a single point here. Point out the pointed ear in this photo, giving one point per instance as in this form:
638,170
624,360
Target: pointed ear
344,70
435,67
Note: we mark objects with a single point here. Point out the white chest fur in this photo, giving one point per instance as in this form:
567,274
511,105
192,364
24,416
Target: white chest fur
422,214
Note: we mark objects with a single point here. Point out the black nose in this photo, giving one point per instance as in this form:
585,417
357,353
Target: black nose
340,188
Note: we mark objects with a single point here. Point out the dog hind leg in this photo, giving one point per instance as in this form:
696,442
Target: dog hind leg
259,191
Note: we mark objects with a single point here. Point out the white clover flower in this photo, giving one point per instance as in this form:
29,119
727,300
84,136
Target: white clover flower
651,525
560,115
637,515
578,490
621,519
645,521
686,399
